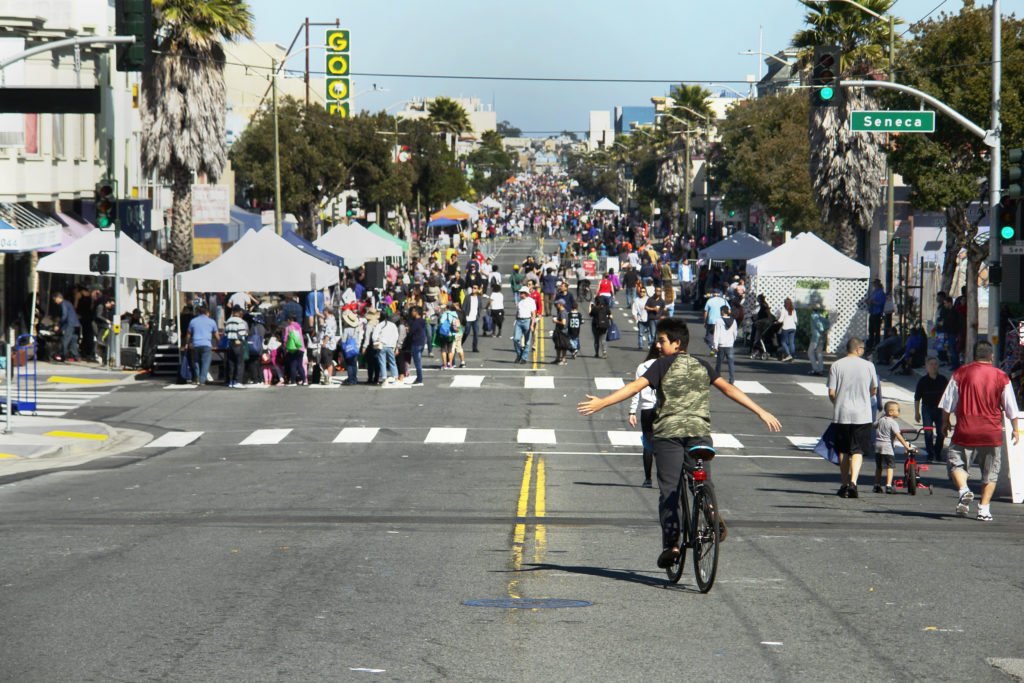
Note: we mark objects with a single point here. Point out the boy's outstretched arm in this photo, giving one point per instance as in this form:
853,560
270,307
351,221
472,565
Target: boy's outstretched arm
594,404
739,397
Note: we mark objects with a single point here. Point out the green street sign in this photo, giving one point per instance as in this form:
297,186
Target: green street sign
893,121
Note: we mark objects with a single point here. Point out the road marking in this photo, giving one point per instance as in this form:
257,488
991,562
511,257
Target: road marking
896,393
356,435
59,379
174,440
625,438
739,456
540,532
519,531
467,381
265,437
609,383
816,388
446,435
6,456
804,443
725,441
536,436
538,382
88,436
751,387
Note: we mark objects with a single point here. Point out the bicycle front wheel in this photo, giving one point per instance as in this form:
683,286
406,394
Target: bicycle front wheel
705,538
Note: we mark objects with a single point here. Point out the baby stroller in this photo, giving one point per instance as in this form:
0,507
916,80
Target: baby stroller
763,346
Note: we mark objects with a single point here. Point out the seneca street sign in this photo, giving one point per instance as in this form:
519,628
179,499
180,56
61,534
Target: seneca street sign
893,121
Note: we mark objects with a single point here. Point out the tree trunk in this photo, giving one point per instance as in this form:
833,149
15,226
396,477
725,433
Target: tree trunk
846,238
181,221
674,214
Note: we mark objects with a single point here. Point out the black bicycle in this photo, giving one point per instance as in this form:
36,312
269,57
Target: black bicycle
700,525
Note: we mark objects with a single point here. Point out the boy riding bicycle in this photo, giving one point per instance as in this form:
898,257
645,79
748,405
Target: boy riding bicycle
682,419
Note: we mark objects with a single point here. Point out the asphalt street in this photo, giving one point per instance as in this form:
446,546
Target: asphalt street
337,534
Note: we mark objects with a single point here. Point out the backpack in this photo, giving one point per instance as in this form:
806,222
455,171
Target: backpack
294,341
255,342
445,328
350,348
603,317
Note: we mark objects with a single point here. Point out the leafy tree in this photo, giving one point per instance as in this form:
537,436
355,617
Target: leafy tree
950,58
437,178
763,160
570,134
369,156
683,122
846,167
184,100
491,139
311,156
507,130
491,166
449,117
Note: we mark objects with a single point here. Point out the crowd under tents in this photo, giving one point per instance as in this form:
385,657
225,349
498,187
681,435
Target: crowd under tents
605,204
740,246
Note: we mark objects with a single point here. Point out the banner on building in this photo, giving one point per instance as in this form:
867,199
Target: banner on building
210,204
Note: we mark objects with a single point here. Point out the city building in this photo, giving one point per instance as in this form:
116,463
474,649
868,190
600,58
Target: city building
782,72
482,117
600,132
628,118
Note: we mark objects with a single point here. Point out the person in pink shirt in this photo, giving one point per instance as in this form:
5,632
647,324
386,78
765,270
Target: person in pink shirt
294,352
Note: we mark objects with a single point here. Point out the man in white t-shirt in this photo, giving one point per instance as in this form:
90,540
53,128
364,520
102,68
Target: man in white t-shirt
243,300
851,386
526,321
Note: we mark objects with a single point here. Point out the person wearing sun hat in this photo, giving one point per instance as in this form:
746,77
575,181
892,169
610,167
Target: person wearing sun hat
526,321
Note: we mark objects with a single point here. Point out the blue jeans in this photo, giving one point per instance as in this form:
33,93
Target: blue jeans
201,356
387,363
788,338
643,335
951,351
472,326
630,295
932,417
417,360
726,351
521,338
352,367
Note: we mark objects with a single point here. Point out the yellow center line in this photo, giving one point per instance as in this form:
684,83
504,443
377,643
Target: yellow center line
519,534
538,343
59,379
540,536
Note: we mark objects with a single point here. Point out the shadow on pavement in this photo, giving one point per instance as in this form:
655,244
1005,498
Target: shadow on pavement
627,575
912,513
602,483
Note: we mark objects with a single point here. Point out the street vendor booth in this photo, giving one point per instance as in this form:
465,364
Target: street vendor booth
740,246
809,271
357,245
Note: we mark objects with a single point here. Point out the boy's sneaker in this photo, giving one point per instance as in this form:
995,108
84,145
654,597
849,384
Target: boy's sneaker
876,489
889,489
852,492
646,484
963,506
984,516
843,492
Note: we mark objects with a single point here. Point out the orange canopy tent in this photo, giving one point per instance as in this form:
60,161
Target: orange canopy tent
451,213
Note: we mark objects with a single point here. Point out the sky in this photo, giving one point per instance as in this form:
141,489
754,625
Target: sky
666,41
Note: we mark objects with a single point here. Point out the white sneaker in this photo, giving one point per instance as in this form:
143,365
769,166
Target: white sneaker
963,506
390,380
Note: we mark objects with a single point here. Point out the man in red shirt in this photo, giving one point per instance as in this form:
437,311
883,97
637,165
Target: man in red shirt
979,395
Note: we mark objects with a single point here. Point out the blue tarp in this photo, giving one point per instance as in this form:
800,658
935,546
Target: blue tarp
231,232
305,245
442,223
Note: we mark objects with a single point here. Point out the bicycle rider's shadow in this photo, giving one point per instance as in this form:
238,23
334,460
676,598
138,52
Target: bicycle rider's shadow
913,513
627,575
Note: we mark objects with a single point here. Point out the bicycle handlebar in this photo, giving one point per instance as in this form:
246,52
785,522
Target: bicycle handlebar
916,433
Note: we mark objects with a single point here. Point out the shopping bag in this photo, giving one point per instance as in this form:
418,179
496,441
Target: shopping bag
613,333
185,372
826,446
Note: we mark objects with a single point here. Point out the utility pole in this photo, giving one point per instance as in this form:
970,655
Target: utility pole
306,76
277,151
686,183
890,189
995,178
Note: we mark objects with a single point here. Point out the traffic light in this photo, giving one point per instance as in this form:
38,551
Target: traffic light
134,18
1014,174
106,206
353,205
1008,219
825,76
99,263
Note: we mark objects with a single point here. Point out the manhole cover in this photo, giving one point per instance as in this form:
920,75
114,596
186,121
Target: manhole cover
527,603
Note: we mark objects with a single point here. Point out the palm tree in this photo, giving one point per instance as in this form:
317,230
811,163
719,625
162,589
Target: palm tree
449,117
184,102
846,167
691,112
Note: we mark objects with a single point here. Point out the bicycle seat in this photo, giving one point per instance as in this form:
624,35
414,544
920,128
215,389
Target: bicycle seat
702,451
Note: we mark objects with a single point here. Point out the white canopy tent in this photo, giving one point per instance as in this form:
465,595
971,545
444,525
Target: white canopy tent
261,261
740,246
357,245
136,262
809,271
605,204
466,207
490,203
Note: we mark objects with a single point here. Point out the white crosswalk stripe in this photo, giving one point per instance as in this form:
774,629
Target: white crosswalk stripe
751,387
539,382
265,437
725,441
467,381
356,435
536,436
804,443
891,392
57,403
174,440
624,438
608,383
446,435
816,388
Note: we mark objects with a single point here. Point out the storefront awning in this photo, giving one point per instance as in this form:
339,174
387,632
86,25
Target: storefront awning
23,228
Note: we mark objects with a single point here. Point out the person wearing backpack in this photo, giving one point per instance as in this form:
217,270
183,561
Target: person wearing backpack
385,341
295,352
351,339
237,332
575,324
600,321
257,331
726,331
448,333
815,348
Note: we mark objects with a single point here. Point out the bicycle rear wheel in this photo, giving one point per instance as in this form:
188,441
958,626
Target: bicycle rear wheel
675,572
705,538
